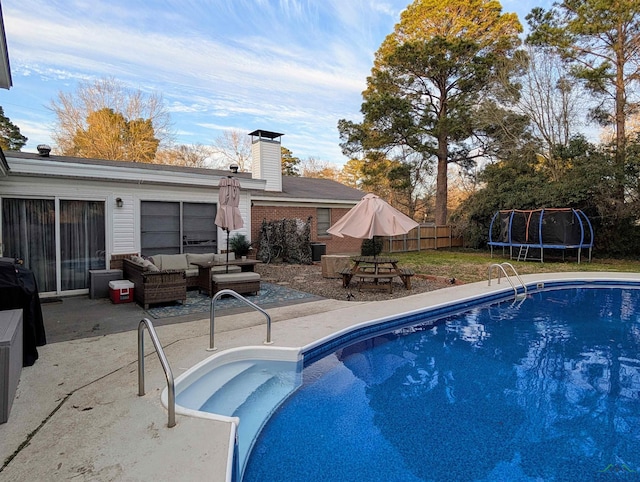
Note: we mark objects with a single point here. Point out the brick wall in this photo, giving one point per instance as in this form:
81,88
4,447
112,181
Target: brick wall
274,213
116,260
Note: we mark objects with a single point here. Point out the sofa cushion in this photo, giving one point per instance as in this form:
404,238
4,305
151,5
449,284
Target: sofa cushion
191,272
200,258
137,260
149,266
236,277
170,261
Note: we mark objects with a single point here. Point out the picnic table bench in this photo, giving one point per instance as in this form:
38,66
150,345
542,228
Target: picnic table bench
346,274
405,275
378,280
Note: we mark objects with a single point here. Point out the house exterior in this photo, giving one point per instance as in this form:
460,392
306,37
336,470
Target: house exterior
323,200
5,69
65,216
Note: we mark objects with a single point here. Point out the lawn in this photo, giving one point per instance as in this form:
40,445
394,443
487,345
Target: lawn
469,265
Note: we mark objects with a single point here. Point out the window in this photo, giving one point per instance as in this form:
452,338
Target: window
199,231
160,227
174,227
324,220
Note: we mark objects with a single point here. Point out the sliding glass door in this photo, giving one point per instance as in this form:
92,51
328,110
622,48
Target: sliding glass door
82,242
29,233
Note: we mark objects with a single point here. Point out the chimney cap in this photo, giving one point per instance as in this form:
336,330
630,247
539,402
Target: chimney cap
267,134
43,150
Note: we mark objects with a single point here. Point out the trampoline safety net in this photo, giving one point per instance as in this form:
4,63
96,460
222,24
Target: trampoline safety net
533,231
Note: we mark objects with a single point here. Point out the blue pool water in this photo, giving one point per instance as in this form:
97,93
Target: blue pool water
547,389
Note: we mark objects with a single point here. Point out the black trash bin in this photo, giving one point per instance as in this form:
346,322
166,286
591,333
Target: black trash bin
317,250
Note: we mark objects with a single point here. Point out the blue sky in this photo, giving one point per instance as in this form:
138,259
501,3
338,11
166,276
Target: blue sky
290,66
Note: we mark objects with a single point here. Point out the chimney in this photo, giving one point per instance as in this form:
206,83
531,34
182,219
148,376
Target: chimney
43,150
266,158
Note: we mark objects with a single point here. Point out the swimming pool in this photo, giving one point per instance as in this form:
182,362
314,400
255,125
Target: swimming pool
543,389
466,340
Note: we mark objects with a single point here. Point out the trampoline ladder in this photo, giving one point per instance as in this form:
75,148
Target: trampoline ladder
524,251
501,271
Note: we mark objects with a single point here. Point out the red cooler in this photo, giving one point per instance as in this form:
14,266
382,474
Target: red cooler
121,291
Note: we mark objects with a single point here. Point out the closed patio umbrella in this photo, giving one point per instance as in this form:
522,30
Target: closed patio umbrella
371,217
228,215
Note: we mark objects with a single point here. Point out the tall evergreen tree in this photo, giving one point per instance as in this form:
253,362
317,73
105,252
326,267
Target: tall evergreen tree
429,78
290,163
10,137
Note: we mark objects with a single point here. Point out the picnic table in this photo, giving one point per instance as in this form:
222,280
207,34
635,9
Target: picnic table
376,272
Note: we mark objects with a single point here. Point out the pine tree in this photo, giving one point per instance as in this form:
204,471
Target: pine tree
10,137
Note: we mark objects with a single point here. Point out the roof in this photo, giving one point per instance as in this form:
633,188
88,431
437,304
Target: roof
298,188
312,188
4,166
5,69
126,164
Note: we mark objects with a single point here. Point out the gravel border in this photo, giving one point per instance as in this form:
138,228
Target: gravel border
308,278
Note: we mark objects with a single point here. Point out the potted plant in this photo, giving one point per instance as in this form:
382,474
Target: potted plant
240,245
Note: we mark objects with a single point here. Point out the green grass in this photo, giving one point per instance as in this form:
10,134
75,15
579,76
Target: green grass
469,266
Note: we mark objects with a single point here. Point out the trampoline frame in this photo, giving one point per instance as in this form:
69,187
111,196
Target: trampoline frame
582,219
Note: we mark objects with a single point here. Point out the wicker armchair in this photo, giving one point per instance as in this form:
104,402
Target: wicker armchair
155,286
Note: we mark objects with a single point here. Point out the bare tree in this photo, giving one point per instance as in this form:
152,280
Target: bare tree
195,155
551,99
317,168
233,147
105,119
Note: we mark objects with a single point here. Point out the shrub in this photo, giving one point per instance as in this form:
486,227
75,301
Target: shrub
239,244
372,247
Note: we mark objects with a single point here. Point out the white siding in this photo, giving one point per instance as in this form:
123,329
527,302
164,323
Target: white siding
123,224
266,160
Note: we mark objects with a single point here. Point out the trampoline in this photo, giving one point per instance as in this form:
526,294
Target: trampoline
527,233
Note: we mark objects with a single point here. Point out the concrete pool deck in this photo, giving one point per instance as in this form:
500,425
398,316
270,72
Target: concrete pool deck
77,414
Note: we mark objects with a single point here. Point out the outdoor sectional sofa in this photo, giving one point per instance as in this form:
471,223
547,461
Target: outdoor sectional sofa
166,277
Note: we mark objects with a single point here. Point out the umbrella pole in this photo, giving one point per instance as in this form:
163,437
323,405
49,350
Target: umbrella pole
227,265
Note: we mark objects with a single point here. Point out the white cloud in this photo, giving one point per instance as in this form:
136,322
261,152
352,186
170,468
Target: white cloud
296,66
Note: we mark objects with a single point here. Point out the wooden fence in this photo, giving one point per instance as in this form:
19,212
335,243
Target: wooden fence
425,236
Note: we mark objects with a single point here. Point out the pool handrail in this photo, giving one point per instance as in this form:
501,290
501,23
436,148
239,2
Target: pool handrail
500,268
171,388
218,295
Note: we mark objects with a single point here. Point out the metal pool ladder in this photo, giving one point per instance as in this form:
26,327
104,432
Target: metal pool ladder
171,388
216,297
501,270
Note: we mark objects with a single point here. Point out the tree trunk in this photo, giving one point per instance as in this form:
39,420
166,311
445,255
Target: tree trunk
621,135
441,183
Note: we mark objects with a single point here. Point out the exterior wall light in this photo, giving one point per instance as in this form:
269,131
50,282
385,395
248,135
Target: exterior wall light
119,202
